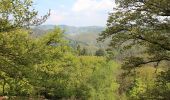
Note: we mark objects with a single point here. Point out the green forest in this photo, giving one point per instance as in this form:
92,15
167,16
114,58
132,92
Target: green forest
128,60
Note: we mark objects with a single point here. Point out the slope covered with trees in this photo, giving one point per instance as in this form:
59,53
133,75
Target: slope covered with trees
85,36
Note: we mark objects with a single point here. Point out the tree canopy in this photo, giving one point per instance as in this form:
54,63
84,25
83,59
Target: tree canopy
142,23
142,27
17,14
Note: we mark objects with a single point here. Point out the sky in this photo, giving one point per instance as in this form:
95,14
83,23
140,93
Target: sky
75,12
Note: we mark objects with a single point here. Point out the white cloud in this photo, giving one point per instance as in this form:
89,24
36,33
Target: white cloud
93,5
82,13
62,6
92,12
105,5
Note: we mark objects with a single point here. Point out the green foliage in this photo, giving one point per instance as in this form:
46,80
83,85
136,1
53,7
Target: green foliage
133,27
17,14
138,89
47,66
99,81
142,26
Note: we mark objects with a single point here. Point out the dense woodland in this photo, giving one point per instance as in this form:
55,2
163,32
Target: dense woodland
135,65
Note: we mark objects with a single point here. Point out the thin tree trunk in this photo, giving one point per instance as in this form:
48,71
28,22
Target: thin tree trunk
3,87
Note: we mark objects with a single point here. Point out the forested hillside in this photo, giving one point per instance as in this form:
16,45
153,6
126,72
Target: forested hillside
86,37
128,59
70,30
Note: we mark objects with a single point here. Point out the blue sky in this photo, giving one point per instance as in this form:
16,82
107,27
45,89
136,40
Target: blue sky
75,12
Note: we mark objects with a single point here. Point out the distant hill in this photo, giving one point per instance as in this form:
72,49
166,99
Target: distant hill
72,29
84,36
87,34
